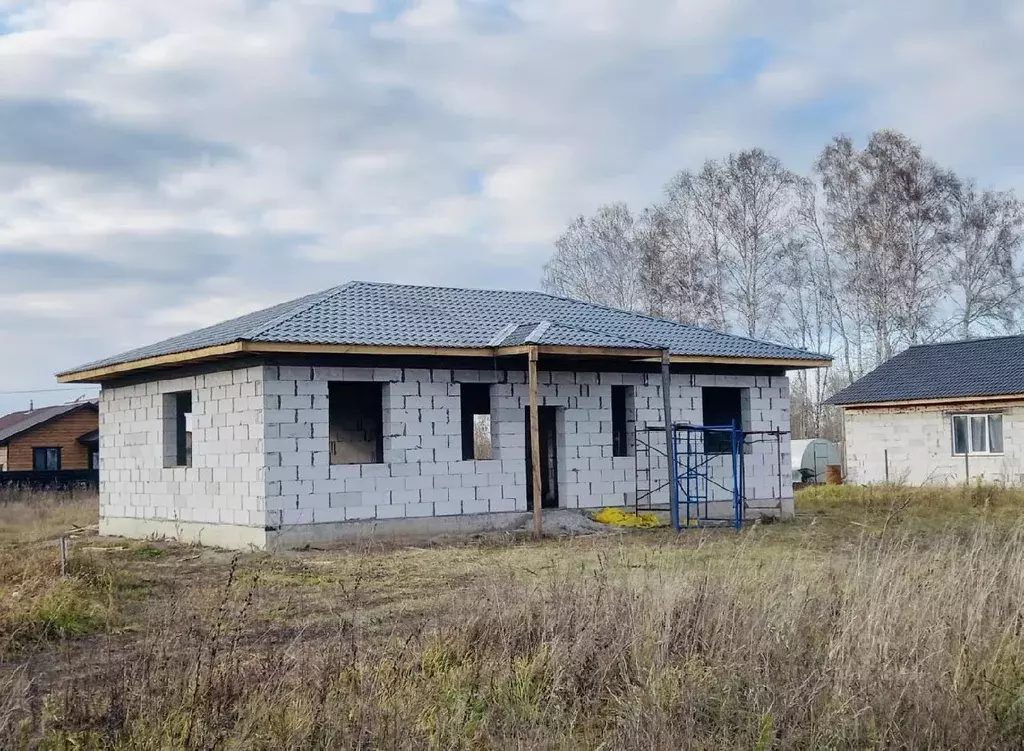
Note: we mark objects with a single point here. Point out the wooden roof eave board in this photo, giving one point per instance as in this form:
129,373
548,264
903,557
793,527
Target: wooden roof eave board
240,348
935,402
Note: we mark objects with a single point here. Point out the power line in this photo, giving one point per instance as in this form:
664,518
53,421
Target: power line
38,391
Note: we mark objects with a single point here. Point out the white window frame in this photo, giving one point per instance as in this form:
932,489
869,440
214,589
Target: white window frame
968,416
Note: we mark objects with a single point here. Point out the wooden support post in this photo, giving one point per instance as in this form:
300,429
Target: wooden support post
63,556
670,437
535,443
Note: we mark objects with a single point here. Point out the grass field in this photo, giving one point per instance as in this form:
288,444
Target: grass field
879,618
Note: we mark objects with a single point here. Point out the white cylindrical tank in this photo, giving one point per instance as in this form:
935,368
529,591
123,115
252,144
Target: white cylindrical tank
811,456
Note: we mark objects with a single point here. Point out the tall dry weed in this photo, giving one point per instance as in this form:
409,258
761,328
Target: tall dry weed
906,644
30,516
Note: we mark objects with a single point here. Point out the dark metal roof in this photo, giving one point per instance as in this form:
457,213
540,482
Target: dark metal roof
16,423
976,367
364,313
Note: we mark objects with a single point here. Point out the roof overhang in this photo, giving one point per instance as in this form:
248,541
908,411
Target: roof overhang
794,364
242,348
934,402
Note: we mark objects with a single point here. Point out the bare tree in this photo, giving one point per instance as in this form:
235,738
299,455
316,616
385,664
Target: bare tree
985,273
684,274
809,319
881,250
887,226
599,259
727,233
759,212
839,238
905,218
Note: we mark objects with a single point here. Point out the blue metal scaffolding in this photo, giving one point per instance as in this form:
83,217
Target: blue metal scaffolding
697,449
707,468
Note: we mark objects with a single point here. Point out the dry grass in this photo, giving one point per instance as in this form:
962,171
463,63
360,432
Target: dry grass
28,517
942,504
39,604
884,618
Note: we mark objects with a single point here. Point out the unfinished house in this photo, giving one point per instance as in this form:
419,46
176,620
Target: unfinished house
374,406
938,414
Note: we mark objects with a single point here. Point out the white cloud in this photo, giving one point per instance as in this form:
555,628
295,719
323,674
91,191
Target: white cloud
167,165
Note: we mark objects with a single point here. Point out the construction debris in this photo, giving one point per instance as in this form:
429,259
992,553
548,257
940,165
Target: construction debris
564,522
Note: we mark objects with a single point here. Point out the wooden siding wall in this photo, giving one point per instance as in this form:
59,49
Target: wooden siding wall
62,433
3,458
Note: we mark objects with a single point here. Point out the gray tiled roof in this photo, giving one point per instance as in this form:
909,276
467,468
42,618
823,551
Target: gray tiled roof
976,367
16,423
546,332
364,313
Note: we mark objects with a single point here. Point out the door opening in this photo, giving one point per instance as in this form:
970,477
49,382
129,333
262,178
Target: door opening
548,458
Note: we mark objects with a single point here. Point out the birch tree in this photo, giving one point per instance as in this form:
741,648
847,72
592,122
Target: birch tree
731,226
810,318
985,273
839,237
599,259
758,216
887,226
905,219
878,250
685,273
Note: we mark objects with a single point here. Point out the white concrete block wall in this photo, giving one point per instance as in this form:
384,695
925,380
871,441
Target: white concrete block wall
226,484
919,442
766,408
423,473
261,447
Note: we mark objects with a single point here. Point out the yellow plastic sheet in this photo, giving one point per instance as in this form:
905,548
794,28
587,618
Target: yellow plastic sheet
619,518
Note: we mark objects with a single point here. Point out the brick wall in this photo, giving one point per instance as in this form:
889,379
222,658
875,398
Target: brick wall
919,442
62,433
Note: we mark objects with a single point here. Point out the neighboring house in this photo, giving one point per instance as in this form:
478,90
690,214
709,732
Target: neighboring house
49,439
372,402
939,413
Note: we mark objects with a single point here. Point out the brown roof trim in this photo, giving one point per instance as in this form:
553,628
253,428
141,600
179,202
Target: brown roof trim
98,375
937,402
780,363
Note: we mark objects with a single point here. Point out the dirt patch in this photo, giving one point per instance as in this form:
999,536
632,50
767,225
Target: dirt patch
565,523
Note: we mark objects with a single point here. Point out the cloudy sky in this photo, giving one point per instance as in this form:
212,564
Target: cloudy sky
165,165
